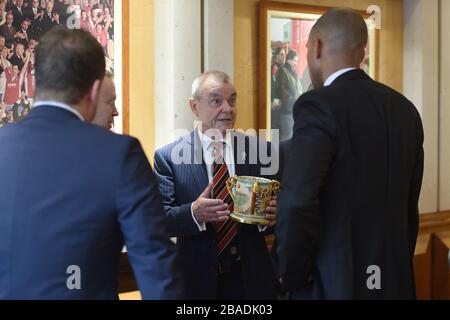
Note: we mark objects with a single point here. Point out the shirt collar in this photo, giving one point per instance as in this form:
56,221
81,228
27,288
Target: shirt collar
335,75
59,105
207,142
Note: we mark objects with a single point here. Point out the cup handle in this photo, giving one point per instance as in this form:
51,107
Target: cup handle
276,185
231,183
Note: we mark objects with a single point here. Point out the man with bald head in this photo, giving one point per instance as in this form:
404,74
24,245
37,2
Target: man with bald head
348,210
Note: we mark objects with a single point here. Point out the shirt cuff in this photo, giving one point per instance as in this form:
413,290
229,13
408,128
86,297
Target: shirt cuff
201,226
261,228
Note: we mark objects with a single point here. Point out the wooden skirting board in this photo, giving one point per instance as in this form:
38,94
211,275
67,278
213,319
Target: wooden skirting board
431,259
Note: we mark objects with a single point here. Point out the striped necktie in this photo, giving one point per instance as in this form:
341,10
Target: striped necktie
227,230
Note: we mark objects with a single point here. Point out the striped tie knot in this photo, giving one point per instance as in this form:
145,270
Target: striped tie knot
218,151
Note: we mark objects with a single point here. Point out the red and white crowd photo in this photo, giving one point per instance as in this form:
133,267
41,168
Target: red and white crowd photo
23,23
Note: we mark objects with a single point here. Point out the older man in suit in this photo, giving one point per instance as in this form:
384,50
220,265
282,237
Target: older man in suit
220,259
73,193
348,212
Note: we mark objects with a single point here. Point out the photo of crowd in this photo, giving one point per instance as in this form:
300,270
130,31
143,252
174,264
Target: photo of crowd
23,23
289,71
289,74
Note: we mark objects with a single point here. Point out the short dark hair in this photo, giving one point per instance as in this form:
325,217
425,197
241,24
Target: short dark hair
277,51
291,55
68,62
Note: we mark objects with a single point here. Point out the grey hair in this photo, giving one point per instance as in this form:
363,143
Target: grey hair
197,85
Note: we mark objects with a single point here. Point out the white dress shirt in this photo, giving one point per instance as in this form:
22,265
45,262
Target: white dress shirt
209,157
59,105
335,75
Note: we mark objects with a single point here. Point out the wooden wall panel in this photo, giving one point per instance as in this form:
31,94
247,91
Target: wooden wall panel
422,267
441,266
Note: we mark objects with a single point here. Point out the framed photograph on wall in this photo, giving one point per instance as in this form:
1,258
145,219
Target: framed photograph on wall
21,31
284,76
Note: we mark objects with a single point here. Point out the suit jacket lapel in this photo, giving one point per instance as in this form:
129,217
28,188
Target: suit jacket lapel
197,166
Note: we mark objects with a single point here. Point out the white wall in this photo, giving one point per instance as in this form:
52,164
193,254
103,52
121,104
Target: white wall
164,71
421,86
177,64
218,35
187,59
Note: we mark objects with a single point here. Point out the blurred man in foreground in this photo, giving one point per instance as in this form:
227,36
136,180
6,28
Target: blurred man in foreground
73,194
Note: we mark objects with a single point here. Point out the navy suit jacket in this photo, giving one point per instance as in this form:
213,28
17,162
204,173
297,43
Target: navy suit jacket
72,194
351,185
181,184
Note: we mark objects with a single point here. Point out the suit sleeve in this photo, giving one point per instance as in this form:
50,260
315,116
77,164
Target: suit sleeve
416,185
141,216
311,152
179,217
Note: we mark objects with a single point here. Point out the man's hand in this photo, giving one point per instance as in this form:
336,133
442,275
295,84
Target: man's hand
209,210
272,211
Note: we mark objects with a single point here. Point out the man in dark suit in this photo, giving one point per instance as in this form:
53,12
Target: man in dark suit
61,7
220,259
289,89
49,18
348,211
18,59
17,11
35,14
23,34
74,193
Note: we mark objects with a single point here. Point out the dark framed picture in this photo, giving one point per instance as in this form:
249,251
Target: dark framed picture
23,24
284,76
